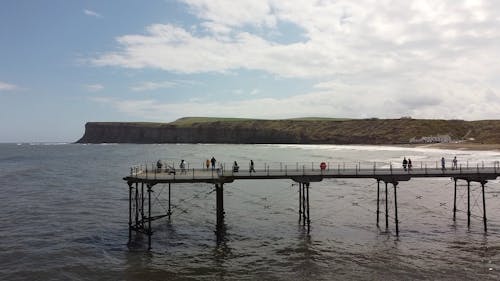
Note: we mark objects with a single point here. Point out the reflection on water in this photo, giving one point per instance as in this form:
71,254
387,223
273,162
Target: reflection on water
65,216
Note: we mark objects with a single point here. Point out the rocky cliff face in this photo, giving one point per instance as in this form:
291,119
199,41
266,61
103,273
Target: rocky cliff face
165,133
361,131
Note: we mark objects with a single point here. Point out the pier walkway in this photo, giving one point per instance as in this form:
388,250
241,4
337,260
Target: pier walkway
143,178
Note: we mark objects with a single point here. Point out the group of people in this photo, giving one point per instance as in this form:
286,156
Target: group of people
211,161
236,168
454,163
407,165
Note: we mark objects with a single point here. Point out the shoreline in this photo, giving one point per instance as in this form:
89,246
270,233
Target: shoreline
451,146
461,146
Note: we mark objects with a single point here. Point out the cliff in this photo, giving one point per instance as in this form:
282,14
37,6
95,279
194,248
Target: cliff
291,131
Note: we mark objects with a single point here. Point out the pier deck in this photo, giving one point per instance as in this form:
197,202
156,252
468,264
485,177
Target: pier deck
309,175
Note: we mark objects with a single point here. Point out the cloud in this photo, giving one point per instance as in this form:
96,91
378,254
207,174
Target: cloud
92,13
94,87
234,13
8,87
342,37
365,58
327,103
148,86
419,101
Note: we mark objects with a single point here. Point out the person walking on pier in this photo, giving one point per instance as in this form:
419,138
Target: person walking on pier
236,168
405,162
207,163
252,169
213,162
455,161
443,164
409,164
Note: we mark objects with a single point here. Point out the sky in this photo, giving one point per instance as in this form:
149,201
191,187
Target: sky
64,63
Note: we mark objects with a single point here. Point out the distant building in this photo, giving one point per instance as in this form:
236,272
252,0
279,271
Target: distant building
432,139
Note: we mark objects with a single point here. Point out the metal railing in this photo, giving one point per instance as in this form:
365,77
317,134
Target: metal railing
153,171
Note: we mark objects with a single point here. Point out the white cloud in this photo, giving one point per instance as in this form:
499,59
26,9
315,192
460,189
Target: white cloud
94,87
369,58
148,86
92,13
7,87
336,102
234,13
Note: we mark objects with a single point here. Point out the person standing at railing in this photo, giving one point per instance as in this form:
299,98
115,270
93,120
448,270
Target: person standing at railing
443,163
159,165
213,162
405,162
236,168
409,164
252,169
207,163
455,163
182,165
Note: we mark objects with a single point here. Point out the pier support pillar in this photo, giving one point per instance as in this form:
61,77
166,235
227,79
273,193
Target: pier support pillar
149,231
169,212
395,184
455,200
136,203
300,201
129,211
219,194
378,200
386,209
308,217
484,206
468,203
142,205
303,203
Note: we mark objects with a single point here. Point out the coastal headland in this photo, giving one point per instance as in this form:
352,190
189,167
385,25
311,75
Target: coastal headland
454,134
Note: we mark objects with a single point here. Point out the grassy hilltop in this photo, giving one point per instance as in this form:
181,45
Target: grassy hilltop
373,130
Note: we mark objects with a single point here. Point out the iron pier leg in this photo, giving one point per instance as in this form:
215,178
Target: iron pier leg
129,211
300,201
386,209
304,204
468,203
149,217
169,209
455,200
308,217
136,204
142,205
378,200
222,200
484,207
395,184
219,208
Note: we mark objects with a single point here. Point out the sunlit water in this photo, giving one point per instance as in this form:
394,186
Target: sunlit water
64,216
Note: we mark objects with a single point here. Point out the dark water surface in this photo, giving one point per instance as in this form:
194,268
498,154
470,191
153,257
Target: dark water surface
64,216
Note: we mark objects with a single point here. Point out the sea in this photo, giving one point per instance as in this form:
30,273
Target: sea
64,216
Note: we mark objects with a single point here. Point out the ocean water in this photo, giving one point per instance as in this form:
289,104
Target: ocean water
64,216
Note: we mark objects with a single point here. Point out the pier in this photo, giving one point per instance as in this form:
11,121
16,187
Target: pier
142,180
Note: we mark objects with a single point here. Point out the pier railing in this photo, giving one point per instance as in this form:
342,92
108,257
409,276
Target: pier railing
172,170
